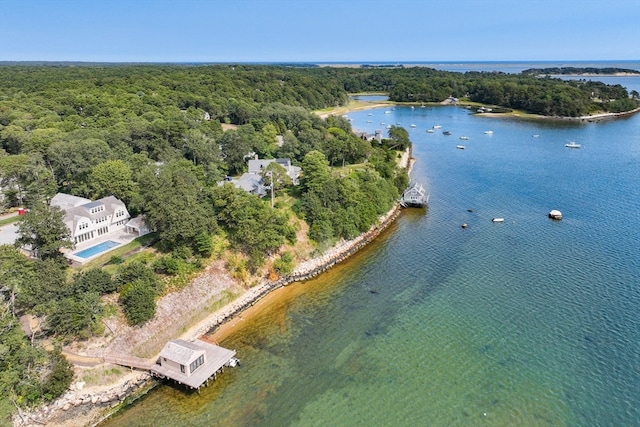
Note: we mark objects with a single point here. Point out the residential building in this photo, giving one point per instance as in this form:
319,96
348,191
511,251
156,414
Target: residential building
88,219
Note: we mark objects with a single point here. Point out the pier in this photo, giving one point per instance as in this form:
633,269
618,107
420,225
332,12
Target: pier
189,363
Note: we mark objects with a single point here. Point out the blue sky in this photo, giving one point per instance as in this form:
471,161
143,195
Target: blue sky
318,30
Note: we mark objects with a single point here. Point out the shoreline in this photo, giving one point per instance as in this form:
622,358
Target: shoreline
91,407
514,114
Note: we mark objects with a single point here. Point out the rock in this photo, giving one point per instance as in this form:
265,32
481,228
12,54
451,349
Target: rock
94,400
80,385
66,407
77,402
104,399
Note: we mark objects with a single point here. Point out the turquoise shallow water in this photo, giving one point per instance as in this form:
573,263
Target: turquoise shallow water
530,322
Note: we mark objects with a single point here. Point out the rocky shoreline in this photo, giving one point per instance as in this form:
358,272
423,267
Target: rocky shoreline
89,408
77,407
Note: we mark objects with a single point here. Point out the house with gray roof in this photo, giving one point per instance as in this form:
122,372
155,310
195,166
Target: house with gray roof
253,182
256,166
88,219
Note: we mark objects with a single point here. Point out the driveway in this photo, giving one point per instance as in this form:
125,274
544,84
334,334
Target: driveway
8,234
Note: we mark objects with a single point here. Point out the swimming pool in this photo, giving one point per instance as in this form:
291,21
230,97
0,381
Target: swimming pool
99,248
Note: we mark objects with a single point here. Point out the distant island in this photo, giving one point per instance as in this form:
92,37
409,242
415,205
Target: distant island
577,71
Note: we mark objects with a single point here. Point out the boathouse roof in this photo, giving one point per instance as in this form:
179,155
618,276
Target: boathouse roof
181,351
215,359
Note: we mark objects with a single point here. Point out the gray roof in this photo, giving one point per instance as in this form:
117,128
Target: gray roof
257,165
251,183
77,208
67,201
181,351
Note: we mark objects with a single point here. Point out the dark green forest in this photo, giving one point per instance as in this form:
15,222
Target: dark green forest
152,136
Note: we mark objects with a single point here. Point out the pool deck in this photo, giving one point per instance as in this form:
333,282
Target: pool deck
119,236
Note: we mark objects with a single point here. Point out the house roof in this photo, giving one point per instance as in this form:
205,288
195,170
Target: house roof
251,183
77,208
181,351
67,201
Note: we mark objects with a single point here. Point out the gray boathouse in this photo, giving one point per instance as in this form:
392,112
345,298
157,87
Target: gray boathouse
192,363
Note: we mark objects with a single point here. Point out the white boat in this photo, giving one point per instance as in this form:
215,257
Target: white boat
555,214
464,138
488,132
369,114
572,144
460,147
429,130
387,112
388,126
535,135
412,125
437,126
368,121
497,219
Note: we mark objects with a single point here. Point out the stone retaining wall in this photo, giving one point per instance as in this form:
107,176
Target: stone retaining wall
304,271
76,403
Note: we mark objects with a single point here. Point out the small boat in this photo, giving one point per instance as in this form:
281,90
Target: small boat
369,114
387,112
460,147
497,219
464,138
437,126
572,144
488,132
368,121
429,130
233,362
446,132
535,135
555,214
388,126
413,125
412,107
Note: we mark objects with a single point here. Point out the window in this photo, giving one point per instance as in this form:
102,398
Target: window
182,368
196,363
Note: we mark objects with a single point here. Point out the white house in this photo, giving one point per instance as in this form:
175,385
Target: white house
88,219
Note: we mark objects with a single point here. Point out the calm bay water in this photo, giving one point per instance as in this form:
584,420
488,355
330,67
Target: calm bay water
530,322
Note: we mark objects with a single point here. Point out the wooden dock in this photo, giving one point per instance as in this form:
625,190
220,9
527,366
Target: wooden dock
129,362
216,359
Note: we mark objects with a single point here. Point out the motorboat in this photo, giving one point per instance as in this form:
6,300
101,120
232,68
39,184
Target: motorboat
497,219
464,138
460,147
572,144
488,132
